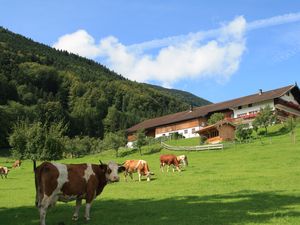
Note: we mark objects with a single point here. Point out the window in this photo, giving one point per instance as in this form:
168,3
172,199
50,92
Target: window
185,131
240,107
193,130
249,105
288,93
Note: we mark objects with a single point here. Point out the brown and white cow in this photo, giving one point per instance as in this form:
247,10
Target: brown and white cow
182,159
4,171
17,163
168,160
140,166
67,182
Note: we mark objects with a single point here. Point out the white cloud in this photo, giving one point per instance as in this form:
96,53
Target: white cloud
274,21
186,57
79,42
214,54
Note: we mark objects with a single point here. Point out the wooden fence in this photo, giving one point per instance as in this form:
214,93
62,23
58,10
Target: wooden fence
193,148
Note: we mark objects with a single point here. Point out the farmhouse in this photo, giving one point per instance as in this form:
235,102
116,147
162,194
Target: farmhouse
284,101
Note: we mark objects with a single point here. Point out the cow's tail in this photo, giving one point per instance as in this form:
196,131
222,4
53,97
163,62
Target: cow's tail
35,182
34,165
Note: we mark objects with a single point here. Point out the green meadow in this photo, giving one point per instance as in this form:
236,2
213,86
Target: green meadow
251,183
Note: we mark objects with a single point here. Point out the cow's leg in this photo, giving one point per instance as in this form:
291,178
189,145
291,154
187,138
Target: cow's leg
77,207
43,211
168,167
87,210
125,175
45,202
162,167
139,176
177,167
130,174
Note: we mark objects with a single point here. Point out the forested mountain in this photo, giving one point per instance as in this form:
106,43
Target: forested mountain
39,83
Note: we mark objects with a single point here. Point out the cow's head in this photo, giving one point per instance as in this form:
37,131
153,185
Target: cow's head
111,171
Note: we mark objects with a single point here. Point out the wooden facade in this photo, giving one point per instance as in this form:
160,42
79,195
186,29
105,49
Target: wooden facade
221,131
179,126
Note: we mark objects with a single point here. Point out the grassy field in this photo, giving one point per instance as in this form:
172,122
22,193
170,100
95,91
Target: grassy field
253,183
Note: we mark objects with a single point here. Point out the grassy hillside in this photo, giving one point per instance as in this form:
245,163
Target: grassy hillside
254,183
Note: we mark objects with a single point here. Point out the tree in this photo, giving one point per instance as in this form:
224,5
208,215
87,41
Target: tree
115,141
214,118
291,124
265,118
37,141
140,140
243,132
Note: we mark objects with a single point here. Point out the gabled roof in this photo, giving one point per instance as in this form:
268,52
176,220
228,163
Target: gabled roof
216,125
205,110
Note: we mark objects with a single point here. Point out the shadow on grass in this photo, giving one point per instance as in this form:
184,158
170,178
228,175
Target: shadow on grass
235,208
127,152
152,151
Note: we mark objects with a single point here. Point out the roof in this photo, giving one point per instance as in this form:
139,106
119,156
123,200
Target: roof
216,125
205,110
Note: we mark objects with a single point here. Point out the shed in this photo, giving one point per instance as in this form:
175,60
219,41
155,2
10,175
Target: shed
221,131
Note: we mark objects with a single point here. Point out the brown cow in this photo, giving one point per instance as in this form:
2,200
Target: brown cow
139,166
67,182
4,171
169,159
17,163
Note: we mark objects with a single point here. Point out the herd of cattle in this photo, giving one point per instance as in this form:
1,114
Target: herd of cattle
66,182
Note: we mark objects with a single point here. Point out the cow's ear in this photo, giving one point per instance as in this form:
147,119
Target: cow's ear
121,169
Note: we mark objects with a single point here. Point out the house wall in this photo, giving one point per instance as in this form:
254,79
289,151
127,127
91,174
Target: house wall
289,98
226,132
186,128
245,110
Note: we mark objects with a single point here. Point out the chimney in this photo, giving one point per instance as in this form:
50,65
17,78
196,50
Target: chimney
260,92
191,108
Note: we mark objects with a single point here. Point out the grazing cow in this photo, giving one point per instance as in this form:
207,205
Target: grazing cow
169,160
139,166
17,163
3,171
67,182
182,159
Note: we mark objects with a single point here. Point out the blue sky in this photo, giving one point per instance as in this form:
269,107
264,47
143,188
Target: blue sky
217,50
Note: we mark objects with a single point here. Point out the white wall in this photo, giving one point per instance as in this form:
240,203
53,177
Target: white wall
189,132
254,107
289,98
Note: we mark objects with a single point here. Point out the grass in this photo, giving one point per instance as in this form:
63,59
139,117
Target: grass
253,183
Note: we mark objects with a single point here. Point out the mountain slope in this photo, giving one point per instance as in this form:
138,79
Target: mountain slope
39,83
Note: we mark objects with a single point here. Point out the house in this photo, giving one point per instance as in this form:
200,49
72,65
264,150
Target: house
284,101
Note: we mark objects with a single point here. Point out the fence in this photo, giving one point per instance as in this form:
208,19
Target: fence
193,148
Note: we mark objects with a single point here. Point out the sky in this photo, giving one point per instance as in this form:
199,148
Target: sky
217,50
